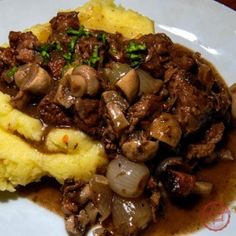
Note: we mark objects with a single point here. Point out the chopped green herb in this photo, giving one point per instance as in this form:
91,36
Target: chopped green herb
135,51
71,45
68,57
56,45
11,72
94,58
102,37
47,48
79,33
45,55
113,50
135,47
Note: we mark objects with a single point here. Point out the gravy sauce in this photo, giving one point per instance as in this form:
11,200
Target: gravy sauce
177,218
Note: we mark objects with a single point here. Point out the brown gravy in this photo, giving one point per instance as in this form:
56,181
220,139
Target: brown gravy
176,219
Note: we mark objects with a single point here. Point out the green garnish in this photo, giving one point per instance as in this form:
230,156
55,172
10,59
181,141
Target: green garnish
102,37
56,45
47,48
79,33
135,47
68,57
45,55
71,45
92,61
11,72
135,51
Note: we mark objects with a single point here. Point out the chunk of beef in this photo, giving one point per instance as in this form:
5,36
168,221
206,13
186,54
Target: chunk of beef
7,56
145,107
51,113
87,115
60,24
64,21
24,45
193,107
87,46
56,64
206,147
80,212
159,47
116,47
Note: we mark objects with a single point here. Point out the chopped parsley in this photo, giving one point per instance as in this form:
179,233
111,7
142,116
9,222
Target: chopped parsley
68,57
11,72
92,61
47,48
79,33
135,51
71,45
102,37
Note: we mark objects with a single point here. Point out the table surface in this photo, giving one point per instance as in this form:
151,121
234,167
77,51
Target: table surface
229,3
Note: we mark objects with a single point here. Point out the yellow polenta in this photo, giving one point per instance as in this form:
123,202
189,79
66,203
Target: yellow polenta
72,153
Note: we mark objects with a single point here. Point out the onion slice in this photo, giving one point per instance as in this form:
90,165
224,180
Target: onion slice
127,178
101,195
130,215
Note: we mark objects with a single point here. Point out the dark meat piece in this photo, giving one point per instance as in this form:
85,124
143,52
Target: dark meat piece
24,45
75,195
87,115
145,107
79,211
64,21
7,56
206,147
116,47
158,46
51,113
85,48
193,106
56,64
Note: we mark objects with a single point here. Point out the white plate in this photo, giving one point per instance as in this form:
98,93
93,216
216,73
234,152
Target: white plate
202,25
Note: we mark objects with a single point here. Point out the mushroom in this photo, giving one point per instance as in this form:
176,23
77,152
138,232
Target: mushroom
148,85
117,117
113,96
91,77
139,148
63,96
78,85
166,129
32,78
129,85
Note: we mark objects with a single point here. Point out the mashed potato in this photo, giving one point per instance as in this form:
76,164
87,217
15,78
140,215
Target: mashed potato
72,153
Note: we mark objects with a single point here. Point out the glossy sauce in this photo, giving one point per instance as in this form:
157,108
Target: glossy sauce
175,218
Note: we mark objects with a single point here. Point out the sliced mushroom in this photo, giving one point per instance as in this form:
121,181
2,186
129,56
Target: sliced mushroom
166,129
117,117
115,72
140,149
91,77
148,85
78,85
129,85
63,96
33,78
113,96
